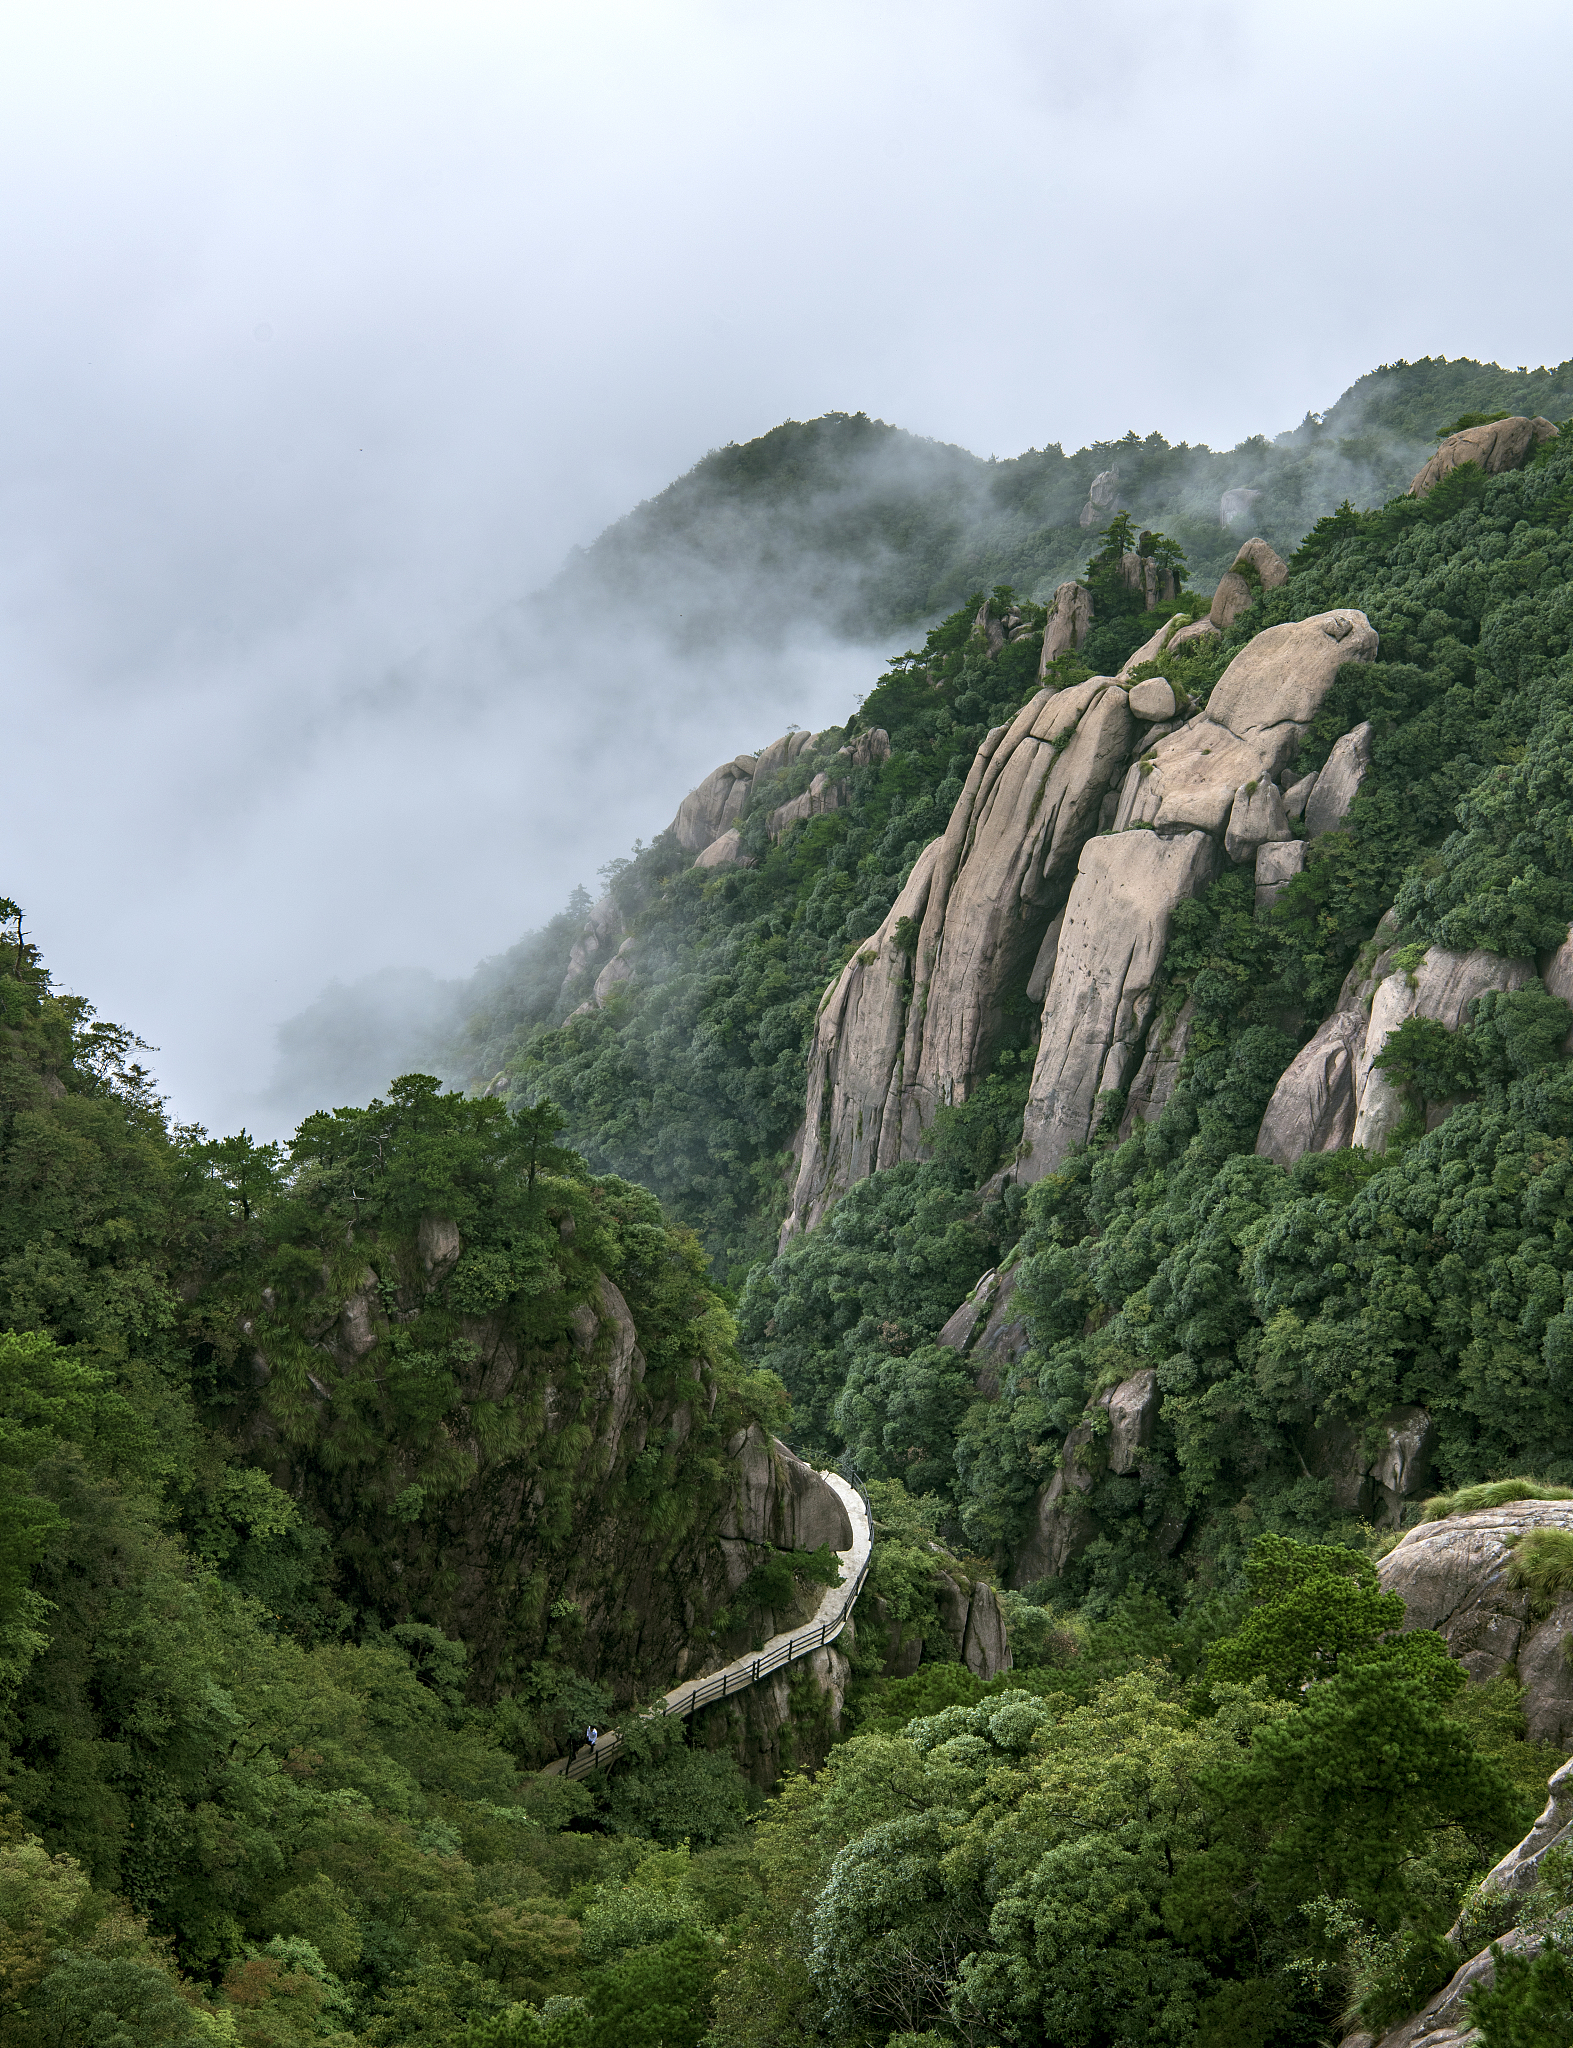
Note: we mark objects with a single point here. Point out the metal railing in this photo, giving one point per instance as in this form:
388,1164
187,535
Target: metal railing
737,1677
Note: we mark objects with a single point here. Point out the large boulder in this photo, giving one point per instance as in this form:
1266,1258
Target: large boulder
1325,805
985,1646
1256,816
1236,505
1313,1107
1068,624
1153,701
1103,992
1103,496
821,795
779,1500
1278,861
725,852
1133,1416
1256,567
1454,1576
1497,446
715,806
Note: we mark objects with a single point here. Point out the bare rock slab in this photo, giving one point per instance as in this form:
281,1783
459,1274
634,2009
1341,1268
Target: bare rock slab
1100,1001
1327,803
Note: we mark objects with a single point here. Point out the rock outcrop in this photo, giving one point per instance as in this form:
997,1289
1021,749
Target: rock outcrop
1278,861
989,1331
913,1018
1497,446
1454,1576
1236,505
1442,988
1256,567
1313,1107
715,806
1325,803
1068,624
1172,633
1027,887
1372,1472
1063,1523
1257,717
1443,2022
970,1616
1103,496
1519,1869
725,852
599,938
538,1540
1148,1095
779,1500
721,802
1332,1093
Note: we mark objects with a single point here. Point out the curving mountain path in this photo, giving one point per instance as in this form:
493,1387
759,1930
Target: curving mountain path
742,1672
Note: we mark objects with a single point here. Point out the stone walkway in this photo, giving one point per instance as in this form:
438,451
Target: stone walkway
743,1672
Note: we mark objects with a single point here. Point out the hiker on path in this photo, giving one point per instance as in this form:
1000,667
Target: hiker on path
592,1736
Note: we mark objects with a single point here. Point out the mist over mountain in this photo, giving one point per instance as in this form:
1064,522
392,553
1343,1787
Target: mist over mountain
780,570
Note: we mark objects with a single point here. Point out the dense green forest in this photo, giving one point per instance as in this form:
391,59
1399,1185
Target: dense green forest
316,1545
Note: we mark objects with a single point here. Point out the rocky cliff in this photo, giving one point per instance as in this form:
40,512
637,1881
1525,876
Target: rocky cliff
1081,826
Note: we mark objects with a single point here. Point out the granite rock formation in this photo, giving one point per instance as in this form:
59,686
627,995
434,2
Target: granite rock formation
1455,1577
1024,889
1068,624
1332,1093
1497,446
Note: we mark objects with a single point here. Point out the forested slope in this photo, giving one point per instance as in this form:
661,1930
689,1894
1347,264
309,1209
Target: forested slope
347,1481
857,527
343,1487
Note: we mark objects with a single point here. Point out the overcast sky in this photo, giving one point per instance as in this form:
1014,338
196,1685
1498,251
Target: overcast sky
326,329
